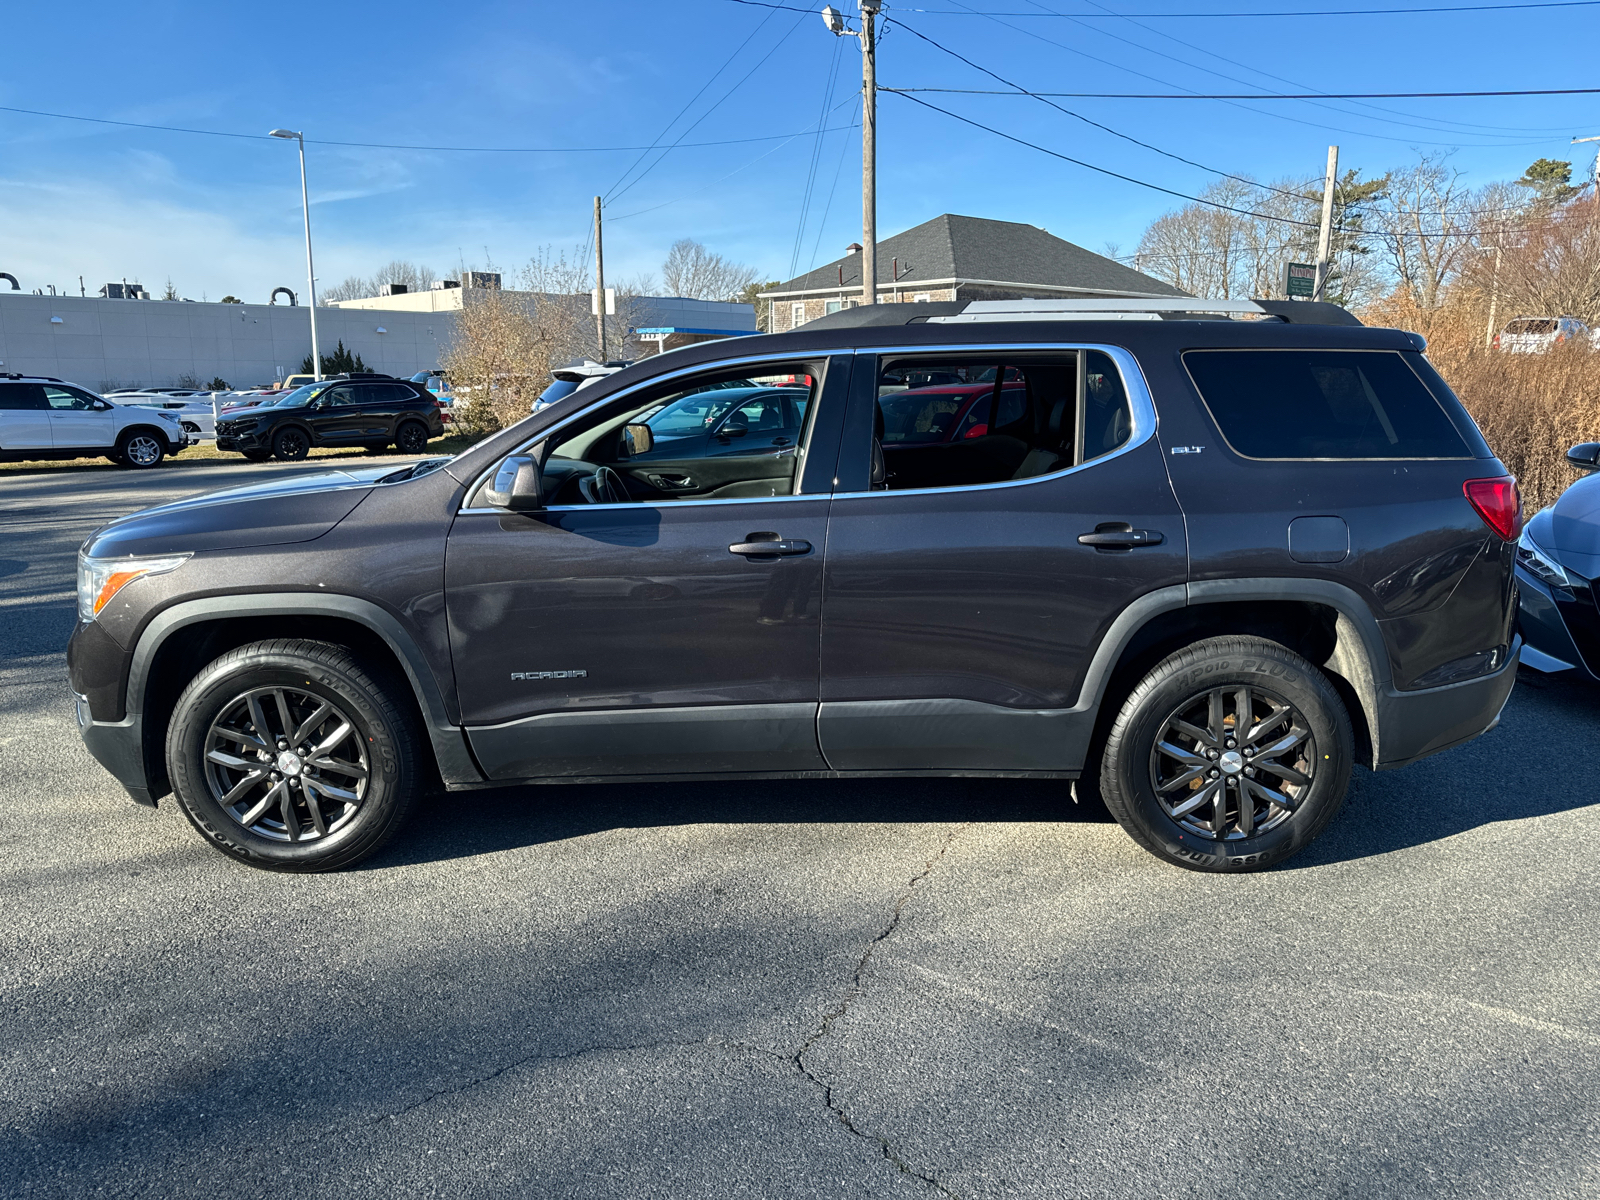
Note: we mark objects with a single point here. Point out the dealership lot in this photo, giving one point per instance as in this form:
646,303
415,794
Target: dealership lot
870,988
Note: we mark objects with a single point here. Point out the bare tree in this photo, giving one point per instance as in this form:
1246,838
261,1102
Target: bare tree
354,287
1427,230
1548,261
415,278
694,272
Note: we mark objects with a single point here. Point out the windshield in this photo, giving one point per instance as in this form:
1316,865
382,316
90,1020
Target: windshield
296,398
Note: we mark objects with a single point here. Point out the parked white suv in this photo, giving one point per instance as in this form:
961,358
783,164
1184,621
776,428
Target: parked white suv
1535,335
42,417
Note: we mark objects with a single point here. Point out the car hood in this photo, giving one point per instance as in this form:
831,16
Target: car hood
1574,528
276,513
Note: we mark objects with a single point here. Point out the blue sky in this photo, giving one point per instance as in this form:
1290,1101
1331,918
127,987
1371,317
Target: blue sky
222,214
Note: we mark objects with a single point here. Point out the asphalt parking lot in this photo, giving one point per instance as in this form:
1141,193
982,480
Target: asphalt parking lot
902,988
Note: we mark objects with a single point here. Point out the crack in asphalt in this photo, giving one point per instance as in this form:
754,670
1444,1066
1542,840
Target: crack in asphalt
582,1051
856,987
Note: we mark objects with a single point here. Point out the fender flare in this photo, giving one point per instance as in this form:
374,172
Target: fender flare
1360,655
455,761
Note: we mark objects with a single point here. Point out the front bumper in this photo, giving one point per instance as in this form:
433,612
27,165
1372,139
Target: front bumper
1557,629
118,746
1415,725
242,441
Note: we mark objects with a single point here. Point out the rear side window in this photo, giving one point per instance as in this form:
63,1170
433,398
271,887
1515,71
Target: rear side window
22,396
1314,404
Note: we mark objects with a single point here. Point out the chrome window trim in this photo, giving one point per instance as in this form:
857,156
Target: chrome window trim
1141,406
700,368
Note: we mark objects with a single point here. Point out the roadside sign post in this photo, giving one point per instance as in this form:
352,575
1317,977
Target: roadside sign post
1299,280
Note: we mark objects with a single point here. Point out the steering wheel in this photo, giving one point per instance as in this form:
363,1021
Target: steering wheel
605,486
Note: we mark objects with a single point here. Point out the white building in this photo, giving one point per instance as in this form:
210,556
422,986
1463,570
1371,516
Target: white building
103,344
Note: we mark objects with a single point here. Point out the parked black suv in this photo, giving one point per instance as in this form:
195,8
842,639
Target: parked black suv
1199,566
347,410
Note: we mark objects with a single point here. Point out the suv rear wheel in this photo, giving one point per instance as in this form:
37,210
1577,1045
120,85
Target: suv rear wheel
291,445
411,438
288,755
140,448
1232,755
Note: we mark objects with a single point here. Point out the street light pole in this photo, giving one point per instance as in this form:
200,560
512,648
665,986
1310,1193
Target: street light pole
869,137
311,274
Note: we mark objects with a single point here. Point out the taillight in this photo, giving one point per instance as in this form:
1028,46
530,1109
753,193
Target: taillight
1498,503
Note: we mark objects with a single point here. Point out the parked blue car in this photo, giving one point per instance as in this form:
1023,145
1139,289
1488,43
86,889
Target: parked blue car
1558,575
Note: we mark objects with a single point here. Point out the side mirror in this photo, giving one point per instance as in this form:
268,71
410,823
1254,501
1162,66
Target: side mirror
638,438
1585,456
517,485
102,405
734,426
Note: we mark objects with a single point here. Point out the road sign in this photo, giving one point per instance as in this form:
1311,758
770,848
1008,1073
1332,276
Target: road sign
1299,280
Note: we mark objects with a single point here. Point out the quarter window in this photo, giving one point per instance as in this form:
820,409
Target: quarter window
1319,404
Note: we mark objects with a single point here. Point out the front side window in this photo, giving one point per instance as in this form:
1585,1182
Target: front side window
67,400
958,422
1322,404
716,436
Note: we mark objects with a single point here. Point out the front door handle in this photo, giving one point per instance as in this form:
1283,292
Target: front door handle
764,547
1119,535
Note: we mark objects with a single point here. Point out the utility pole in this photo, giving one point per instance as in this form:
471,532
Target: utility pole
600,282
1575,141
834,19
1494,296
1325,237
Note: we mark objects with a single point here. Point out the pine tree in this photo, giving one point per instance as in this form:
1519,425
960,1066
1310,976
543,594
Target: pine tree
340,362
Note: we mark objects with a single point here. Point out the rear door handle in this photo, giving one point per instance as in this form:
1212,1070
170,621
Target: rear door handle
1119,535
766,546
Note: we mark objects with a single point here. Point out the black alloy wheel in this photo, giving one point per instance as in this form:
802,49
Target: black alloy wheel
291,445
292,756
1231,755
411,438
140,449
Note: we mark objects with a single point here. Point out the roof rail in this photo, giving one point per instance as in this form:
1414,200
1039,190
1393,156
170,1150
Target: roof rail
1109,308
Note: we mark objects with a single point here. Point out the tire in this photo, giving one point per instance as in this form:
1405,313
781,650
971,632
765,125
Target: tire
411,438
140,449
1148,789
345,799
291,445
257,456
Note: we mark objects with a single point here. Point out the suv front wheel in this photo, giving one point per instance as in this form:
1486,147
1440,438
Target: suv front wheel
1232,755
288,755
291,445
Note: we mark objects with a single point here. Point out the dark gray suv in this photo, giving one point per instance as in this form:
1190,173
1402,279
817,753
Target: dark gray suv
1199,567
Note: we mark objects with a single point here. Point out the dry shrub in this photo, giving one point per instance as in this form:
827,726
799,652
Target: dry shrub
1531,407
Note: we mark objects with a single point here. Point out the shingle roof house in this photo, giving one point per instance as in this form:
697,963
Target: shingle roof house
962,258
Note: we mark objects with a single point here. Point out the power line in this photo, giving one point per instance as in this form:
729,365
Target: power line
1078,162
1148,50
1269,75
1264,13
679,115
1020,90
618,193
1312,12
1252,95
258,137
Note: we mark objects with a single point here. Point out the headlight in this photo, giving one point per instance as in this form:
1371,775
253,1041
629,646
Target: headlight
1538,564
169,416
99,579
